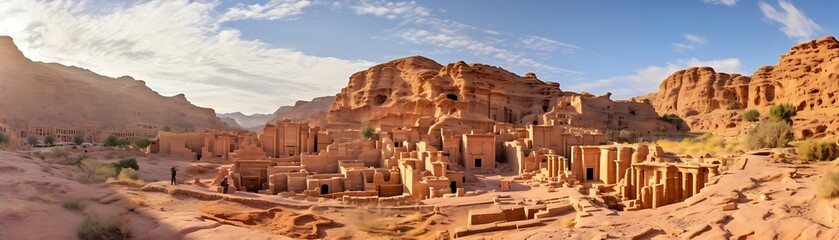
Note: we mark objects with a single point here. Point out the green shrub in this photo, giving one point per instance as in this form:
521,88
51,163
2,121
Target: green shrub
73,203
751,115
815,150
126,163
367,132
96,228
111,141
829,185
672,119
782,112
78,139
3,138
732,105
49,140
768,135
32,141
124,142
142,143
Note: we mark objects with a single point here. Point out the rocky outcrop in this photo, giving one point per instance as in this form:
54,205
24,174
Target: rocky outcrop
419,92
51,95
807,77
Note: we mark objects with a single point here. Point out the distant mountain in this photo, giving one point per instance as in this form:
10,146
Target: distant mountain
53,97
314,110
246,121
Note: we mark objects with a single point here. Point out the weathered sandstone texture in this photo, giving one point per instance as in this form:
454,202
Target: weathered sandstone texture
419,92
807,77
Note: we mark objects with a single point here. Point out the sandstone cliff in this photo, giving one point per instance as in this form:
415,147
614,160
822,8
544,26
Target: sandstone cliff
807,77
419,92
54,96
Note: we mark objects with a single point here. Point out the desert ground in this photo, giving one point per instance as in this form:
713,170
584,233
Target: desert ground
763,195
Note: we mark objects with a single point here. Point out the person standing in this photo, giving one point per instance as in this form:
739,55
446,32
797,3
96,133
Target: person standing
174,172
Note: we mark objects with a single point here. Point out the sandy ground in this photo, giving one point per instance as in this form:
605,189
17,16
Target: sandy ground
772,201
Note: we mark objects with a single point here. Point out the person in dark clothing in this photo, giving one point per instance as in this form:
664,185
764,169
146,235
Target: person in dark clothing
224,185
174,172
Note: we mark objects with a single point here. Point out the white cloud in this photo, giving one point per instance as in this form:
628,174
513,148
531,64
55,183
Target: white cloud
391,10
648,79
547,45
463,38
721,2
175,46
273,10
693,41
795,23
696,39
454,40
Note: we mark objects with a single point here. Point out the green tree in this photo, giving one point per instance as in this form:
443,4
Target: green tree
3,138
124,142
111,141
673,119
78,139
751,115
782,112
32,141
49,140
142,143
367,132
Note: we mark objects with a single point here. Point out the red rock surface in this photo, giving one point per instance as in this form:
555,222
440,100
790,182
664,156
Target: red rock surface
417,91
807,77
51,94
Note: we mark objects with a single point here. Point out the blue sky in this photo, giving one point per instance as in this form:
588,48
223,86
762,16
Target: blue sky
256,56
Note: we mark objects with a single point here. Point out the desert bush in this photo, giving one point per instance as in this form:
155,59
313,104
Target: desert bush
49,140
171,190
123,142
829,185
768,135
94,171
751,115
816,150
3,139
128,174
732,105
111,141
367,132
73,203
782,112
706,143
78,139
142,143
672,119
32,141
126,163
97,228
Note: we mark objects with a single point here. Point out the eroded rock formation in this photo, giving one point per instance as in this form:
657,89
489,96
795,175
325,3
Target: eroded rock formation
41,99
417,91
807,77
